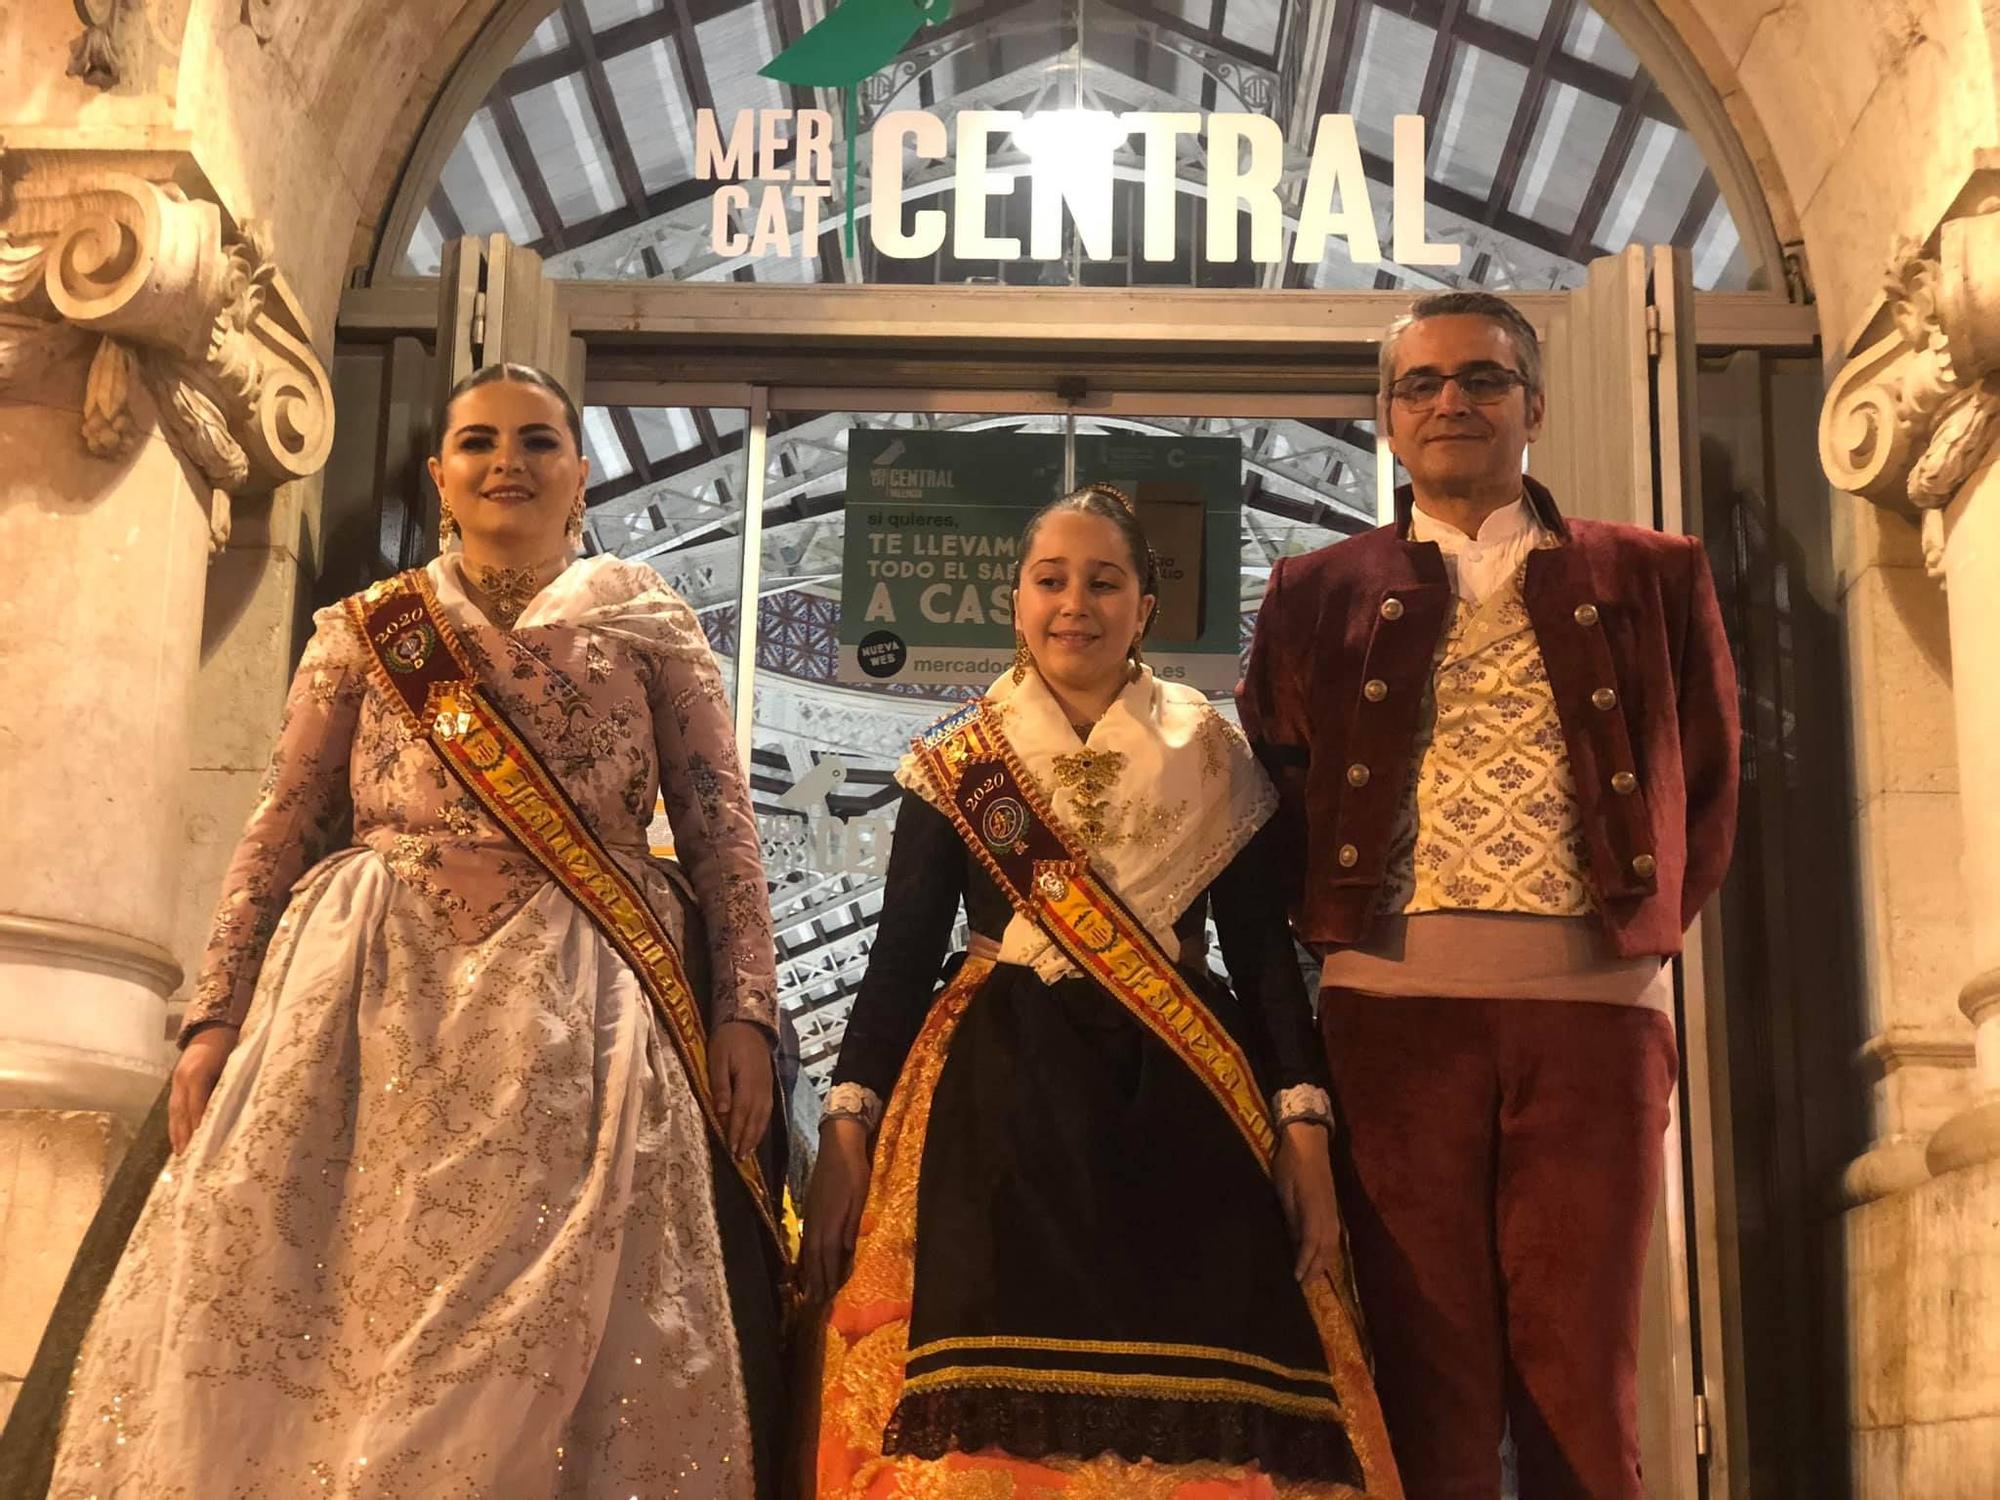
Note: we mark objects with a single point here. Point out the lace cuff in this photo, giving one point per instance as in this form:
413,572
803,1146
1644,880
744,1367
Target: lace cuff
1305,1102
751,1002
853,1101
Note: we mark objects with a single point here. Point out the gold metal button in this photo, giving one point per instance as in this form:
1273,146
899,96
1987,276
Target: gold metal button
1374,690
1349,856
1586,614
1624,783
1392,608
1643,866
1357,775
1604,698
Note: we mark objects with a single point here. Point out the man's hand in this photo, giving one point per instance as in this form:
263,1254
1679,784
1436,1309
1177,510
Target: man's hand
1304,1173
834,1201
740,1077
194,1080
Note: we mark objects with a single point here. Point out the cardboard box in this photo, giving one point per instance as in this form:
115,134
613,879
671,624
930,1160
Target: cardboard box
1176,524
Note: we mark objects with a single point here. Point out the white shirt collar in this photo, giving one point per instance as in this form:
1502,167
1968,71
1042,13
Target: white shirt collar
1508,523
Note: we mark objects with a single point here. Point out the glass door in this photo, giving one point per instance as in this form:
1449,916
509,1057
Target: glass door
871,620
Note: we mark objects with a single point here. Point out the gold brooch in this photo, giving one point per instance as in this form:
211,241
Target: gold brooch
1088,776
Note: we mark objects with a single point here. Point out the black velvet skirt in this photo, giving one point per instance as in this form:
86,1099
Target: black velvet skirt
1101,1263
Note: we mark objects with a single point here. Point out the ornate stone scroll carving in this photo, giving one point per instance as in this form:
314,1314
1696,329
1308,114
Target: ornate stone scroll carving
167,299
1911,416
93,57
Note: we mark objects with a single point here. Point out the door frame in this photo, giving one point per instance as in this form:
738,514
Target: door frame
1248,342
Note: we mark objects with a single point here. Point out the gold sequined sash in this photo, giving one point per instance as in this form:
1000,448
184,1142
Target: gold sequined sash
1011,830
417,660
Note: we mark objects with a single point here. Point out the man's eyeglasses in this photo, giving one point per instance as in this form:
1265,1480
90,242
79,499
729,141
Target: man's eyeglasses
1482,386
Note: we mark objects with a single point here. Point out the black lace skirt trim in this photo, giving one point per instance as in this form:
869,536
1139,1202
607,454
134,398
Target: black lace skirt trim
1037,1424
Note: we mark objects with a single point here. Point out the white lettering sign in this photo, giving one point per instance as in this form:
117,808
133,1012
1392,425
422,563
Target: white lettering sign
776,170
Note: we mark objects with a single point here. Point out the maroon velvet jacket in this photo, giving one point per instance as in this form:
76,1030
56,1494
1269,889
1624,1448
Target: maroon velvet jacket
1644,686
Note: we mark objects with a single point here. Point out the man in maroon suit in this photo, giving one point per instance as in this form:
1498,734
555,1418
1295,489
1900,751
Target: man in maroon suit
1506,744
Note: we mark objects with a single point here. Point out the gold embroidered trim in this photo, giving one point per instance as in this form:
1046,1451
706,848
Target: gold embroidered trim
861,1375
1093,1383
1095,1346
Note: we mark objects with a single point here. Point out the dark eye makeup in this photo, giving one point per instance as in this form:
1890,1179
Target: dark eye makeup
478,439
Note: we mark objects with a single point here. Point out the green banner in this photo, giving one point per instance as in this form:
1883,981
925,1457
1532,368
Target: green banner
934,519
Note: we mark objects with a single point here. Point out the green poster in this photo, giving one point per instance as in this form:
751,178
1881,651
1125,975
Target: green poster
934,518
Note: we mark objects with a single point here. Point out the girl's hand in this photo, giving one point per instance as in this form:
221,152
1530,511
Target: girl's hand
834,1201
194,1080
1304,1174
741,1078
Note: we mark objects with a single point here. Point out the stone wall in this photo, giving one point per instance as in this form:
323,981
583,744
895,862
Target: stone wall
1873,124
1908,433
1922,1270
54,1166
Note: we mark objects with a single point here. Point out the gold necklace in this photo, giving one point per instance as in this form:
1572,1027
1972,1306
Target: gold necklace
507,591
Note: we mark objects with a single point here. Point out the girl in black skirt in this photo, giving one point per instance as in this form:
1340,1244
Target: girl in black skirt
1060,1264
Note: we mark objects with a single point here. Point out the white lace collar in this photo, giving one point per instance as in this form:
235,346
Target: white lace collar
1163,793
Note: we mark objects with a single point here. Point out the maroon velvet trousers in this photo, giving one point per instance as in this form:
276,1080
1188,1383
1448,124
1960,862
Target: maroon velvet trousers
1499,1163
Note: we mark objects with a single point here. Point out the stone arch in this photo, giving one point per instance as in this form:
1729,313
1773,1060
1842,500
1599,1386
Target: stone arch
1865,122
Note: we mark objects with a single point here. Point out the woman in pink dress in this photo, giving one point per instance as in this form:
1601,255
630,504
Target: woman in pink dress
444,1214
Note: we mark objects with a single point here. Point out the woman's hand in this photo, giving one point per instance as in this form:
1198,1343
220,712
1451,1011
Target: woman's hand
1304,1173
740,1077
834,1200
194,1080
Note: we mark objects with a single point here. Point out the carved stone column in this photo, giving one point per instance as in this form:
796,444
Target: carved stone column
153,365
1910,425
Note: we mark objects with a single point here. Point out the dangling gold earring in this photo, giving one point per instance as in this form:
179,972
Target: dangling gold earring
1022,660
574,531
447,524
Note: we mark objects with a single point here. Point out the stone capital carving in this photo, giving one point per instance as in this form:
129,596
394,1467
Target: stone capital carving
261,16
1910,417
108,256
